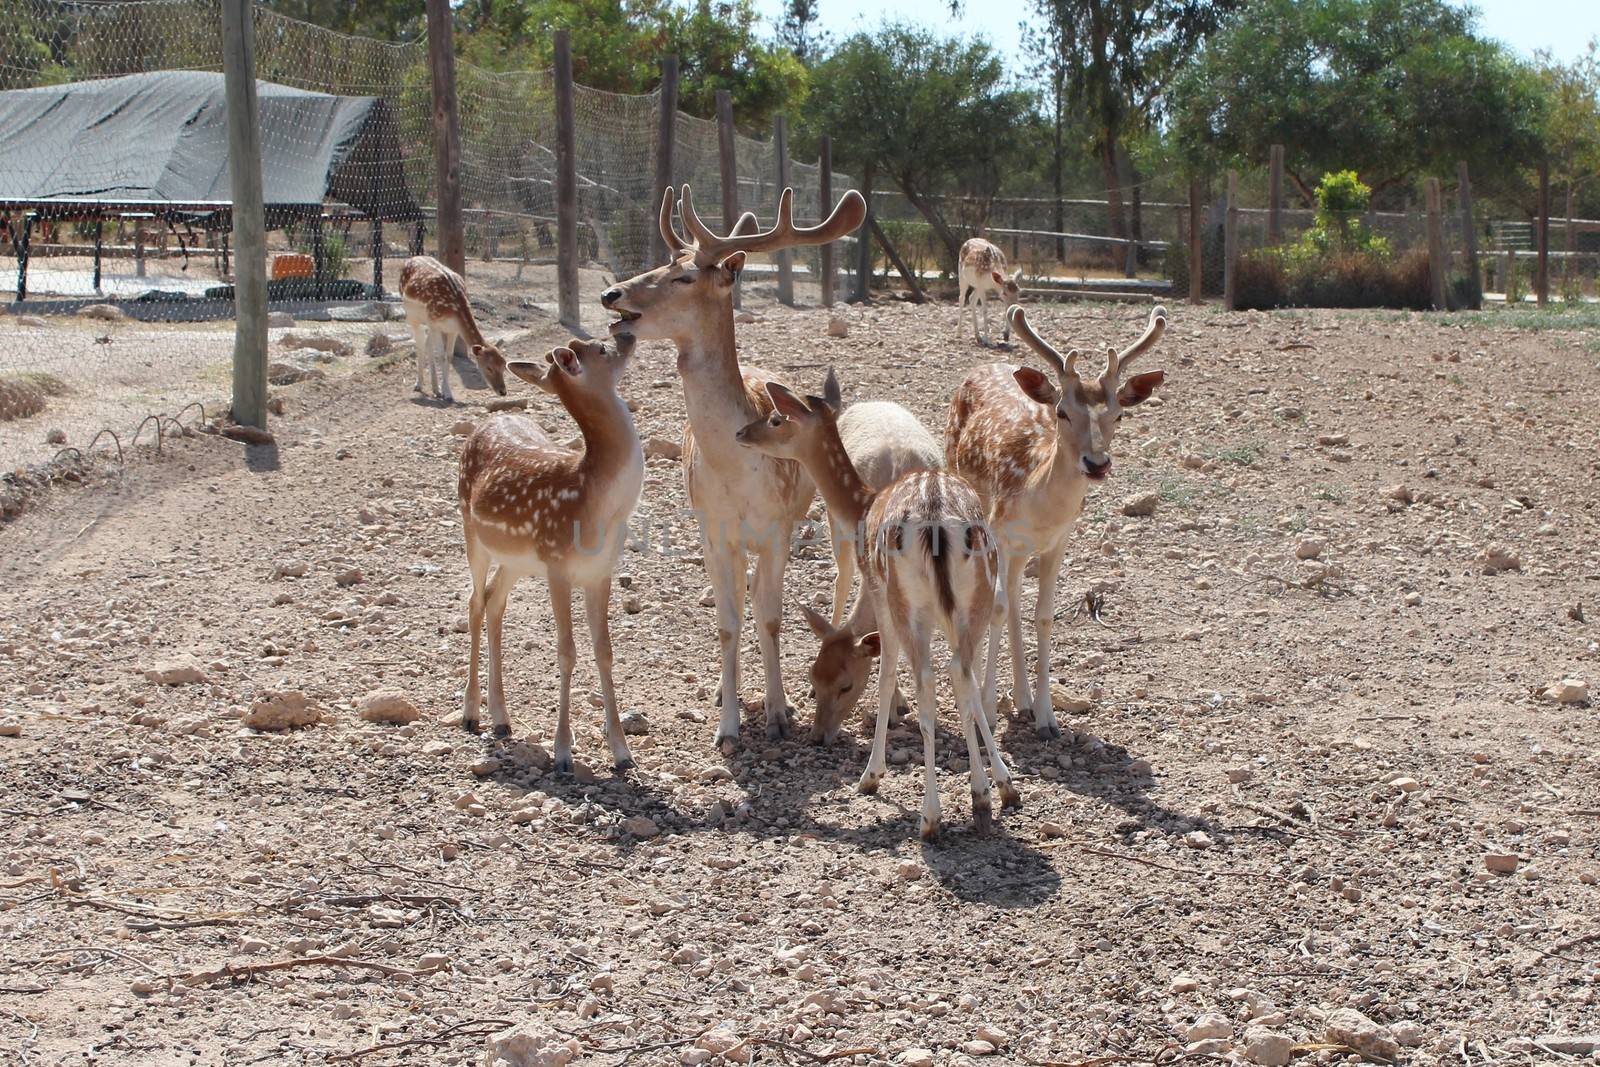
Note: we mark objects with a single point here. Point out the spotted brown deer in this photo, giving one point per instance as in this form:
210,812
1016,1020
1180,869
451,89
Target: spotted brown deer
532,506
981,277
435,301
1031,447
929,562
747,503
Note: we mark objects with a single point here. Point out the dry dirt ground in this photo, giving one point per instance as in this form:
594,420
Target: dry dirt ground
1289,781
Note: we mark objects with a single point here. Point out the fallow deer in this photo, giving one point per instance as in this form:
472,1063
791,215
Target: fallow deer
532,506
1031,447
885,442
435,301
981,276
747,503
929,562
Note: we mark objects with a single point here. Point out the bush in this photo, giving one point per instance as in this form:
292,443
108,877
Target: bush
1272,278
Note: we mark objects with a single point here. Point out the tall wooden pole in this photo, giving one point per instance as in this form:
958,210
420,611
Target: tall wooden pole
1541,279
1275,197
249,215
446,137
1469,238
666,134
825,176
728,168
1196,255
1437,266
1230,245
785,258
566,187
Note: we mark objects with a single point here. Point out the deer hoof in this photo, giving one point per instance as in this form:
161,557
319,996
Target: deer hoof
982,814
1009,796
625,764
1049,731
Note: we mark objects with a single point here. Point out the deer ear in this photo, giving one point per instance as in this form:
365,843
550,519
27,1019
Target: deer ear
729,269
567,360
1037,386
870,644
1137,390
819,626
533,373
831,391
786,402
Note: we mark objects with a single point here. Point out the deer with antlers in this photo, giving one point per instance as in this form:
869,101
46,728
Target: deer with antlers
1031,447
435,302
532,506
747,503
928,562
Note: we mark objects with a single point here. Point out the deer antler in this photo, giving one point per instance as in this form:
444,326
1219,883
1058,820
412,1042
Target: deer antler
847,216
1019,324
669,233
1117,362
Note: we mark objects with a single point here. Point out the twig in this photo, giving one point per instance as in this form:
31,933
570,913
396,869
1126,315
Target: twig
814,1057
250,970
1293,345
441,1038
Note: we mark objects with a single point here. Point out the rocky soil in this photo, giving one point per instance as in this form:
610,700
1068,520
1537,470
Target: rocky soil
1326,644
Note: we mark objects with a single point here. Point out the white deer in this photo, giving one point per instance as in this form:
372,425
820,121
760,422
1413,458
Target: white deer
435,301
1031,447
747,503
532,506
928,560
981,277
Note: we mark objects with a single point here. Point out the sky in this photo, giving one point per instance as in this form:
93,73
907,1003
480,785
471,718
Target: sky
1562,27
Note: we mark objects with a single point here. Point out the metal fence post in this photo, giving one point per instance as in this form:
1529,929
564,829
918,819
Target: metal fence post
249,215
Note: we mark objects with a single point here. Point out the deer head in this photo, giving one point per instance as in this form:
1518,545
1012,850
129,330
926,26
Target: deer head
492,365
840,673
680,301
794,429
1010,286
579,372
1086,413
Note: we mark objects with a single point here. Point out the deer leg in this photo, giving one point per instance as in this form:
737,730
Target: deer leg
919,652
725,568
566,659
1021,695
478,565
1044,617
447,351
888,668
597,607
499,592
844,561
769,620
965,680
991,675
420,342
961,315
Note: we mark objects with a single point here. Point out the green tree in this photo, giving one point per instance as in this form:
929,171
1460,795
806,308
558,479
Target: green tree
799,33
1112,61
389,20
930,114
1392,88
1572,123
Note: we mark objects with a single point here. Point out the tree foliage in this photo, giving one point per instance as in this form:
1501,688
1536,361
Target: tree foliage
1572,123
1391,88
931,114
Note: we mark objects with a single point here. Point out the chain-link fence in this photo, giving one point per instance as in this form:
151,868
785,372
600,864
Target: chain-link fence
115,213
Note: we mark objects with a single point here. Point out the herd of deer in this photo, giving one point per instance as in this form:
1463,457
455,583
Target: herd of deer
941,537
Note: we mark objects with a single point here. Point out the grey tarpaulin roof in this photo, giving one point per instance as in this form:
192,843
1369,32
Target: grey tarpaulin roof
163,137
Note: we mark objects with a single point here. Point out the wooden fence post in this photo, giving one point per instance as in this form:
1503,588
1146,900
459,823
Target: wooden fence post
825,205
1469,238
249,215
1275,197
1541,279
566,187
666,133
785,258
1438,266
1230,244
1196,253
446,137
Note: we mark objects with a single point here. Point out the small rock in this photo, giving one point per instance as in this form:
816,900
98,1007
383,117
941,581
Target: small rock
1239,775
1197,839
662,448
290,568
838,326
54,436
348,577
994,1035
1406,785
1267,1048
916,1057
1408,1033
1400,493
1571,1044
254,946
463,427
1183,983
530,1044
634,724
103,313
387,705
283,373
1497,558
1346,1026
1412,599
977,1048
1502,862
708,599
719,1040
909,870
1065,703
745,317
1310,548
176,672
285,710
632,605
1052,829
1141,505
145,986
1568,691
1210,1025
317,342
279,320
10,728
641,826
1333,440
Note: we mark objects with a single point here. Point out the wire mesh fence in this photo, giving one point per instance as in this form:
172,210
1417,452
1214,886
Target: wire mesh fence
115,199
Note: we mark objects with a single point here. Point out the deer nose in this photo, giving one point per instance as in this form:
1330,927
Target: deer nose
1096,469
611,296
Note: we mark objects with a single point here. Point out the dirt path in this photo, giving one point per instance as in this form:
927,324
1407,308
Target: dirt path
1287,778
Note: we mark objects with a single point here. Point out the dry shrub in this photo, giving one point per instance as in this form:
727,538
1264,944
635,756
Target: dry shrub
1270,279
23,395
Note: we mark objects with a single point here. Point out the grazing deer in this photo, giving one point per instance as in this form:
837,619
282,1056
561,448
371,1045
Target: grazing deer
1031,447
435,299
747,503
536,507
982,277
929,562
